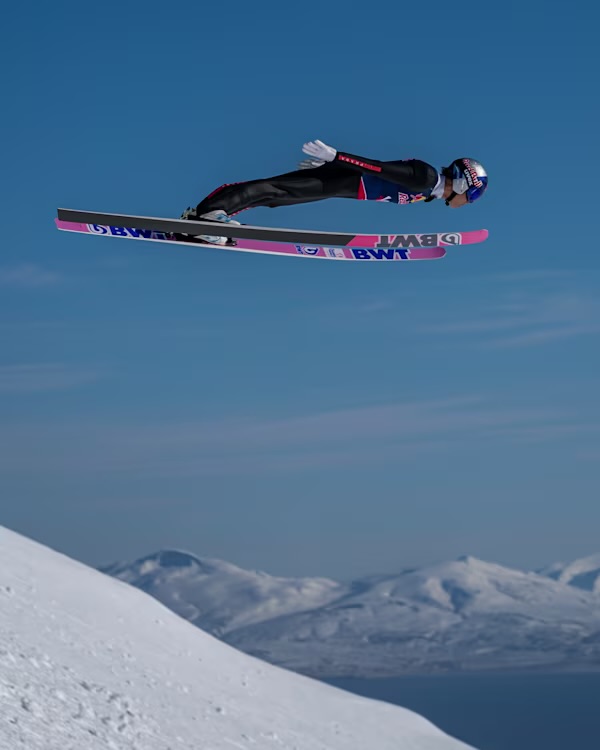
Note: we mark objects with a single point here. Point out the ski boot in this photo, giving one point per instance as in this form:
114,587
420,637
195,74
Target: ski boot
217,216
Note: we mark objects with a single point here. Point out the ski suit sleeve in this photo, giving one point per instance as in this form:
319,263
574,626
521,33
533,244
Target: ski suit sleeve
411,173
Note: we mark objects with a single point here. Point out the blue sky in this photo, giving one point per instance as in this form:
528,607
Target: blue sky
300,416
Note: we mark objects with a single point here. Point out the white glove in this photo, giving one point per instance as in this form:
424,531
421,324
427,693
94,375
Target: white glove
310,163
319,150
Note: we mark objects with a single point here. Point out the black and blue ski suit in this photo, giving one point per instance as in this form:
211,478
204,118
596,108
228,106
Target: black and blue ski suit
347,176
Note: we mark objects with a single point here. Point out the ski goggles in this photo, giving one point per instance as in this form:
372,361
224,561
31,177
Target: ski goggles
473,193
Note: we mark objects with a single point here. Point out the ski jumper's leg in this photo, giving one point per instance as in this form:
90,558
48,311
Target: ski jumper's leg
301,186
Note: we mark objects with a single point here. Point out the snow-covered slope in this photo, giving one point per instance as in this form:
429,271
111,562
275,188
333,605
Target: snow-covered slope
88,662
218,596
461,615
583,573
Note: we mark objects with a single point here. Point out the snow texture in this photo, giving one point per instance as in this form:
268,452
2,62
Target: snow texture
89,663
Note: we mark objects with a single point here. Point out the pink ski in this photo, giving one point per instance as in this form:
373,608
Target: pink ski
365,247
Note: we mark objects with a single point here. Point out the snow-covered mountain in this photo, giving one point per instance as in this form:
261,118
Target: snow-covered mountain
88,662
583,573
218,596
461,615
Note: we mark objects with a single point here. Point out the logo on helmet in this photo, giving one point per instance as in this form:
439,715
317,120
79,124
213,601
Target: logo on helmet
471,175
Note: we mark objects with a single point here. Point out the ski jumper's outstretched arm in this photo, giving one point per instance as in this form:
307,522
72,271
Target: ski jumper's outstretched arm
413,174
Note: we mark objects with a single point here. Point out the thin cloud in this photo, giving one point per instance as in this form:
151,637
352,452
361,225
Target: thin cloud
591,454
397,432
543,336
516,277
44,377
28,275
550,432
528,320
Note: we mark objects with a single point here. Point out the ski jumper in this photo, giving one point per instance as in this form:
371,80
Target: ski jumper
347,176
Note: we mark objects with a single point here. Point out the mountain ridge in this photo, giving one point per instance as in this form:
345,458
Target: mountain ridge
460,615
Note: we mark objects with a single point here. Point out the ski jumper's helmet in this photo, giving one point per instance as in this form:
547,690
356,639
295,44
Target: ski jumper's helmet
468,177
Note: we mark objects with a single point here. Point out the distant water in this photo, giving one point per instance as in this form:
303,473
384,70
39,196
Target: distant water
499,711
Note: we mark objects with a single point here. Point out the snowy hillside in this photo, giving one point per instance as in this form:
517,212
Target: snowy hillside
462,615
583,573
90,663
